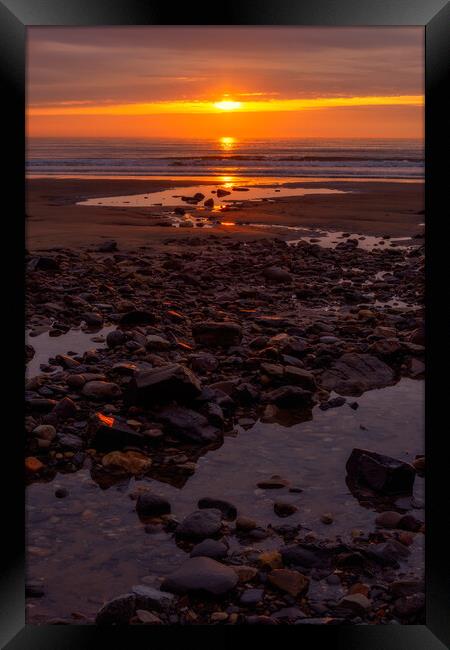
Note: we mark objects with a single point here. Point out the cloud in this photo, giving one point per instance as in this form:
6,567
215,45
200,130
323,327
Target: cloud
149,64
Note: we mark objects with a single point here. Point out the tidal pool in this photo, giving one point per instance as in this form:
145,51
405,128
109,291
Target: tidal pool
91,546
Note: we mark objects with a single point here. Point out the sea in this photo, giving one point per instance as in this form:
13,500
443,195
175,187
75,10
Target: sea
395,159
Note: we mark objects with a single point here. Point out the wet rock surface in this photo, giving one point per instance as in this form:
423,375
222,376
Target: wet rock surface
210,338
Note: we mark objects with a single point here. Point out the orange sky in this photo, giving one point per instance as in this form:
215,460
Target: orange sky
213,82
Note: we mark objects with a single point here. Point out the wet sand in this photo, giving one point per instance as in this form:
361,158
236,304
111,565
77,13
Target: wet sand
368,208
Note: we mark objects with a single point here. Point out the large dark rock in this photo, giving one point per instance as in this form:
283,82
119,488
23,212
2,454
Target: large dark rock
381,473
188,424
117,611
171,382
217,334
353,374
200,524
201,574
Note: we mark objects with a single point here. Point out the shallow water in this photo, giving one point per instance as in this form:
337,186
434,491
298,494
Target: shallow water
75,340
172,197
91,546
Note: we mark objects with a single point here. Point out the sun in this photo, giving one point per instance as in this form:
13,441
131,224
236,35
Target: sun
227,105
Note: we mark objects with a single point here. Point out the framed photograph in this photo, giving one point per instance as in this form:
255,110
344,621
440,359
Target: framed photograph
228,320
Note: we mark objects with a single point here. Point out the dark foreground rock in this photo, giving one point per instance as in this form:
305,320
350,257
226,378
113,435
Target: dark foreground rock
353,374
173,381
381,473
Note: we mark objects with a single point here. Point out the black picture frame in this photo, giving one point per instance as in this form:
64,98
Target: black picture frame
15,17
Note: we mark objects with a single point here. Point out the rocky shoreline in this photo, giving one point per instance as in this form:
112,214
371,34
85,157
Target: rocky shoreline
211,334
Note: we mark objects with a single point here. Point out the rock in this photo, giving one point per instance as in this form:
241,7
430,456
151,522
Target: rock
214,334
221,192
45,432
332,403
292,582
327,518
171,382
70,441
300,377
270,560
137,317
150,598
251,597
388,519
43,263
277,275
245,573
131,462
409,605
92,319
209,203
109,246
111,434
245,524
61,493
381,473
33,465
401,588
65,409
157,343
289,397
274,483
353,374
283,509
101,390
201,574
188,424
300,556
117,611
218,617
357,603
210,548
152,505
115,338
227,509
147,618
200,524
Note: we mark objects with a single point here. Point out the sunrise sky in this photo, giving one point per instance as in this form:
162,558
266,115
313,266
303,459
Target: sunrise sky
197,82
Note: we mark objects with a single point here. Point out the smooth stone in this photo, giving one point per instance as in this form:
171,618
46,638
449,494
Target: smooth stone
201,574
209,548
200,524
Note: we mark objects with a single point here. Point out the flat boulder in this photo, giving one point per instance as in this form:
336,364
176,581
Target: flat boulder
200,524
353,374
101,390
188,425
380,473
215,334
171,382
201,574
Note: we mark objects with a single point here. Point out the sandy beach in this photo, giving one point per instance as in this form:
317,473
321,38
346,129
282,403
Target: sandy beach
369,208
